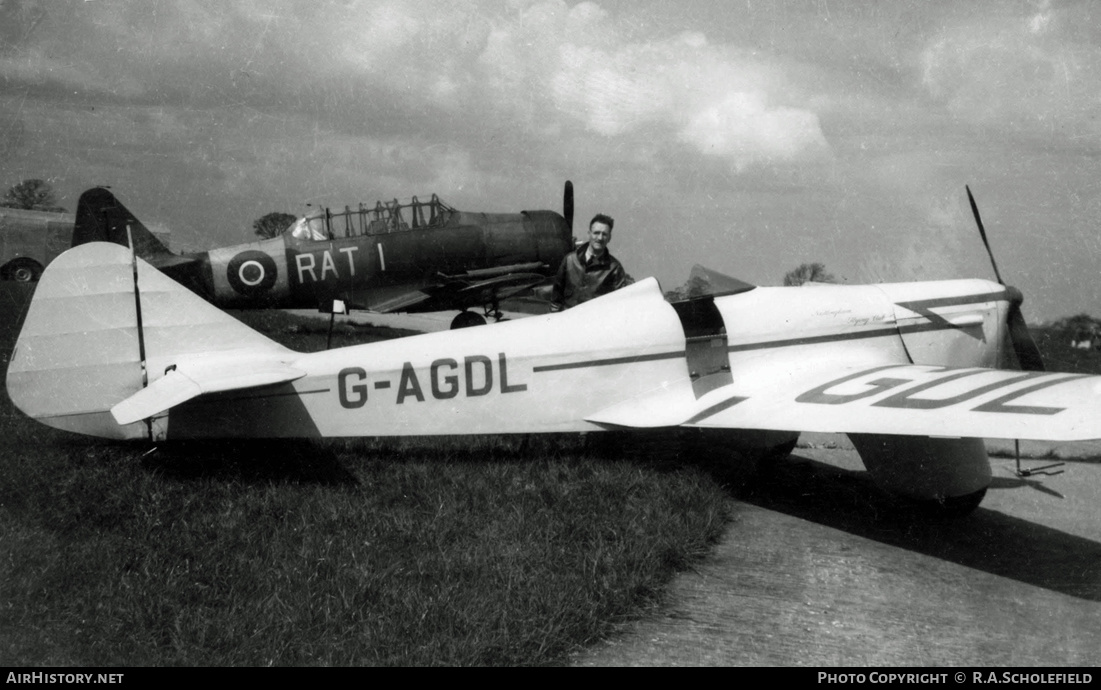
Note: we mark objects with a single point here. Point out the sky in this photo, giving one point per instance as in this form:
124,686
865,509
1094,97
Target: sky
747,136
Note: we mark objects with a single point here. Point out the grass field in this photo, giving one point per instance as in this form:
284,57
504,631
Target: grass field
446,551
453,551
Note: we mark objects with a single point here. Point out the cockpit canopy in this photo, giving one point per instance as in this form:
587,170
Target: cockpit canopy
704,282
384,217
309,228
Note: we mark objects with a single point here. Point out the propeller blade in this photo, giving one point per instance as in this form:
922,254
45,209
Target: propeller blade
567,204
1028,355
982,234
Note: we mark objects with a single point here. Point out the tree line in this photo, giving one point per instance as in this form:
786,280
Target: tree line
31,195
38,195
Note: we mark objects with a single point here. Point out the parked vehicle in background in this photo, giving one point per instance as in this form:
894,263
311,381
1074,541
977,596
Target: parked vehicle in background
29,240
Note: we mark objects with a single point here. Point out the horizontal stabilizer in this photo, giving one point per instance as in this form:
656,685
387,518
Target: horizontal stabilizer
172,263
171,389
176,386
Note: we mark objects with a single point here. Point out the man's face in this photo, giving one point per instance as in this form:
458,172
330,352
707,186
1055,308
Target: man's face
599,236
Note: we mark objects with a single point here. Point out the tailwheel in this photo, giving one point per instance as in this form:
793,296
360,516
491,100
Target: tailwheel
24,271
493,310
466,319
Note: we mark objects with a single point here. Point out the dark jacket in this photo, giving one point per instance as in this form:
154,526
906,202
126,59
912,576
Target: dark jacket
577,282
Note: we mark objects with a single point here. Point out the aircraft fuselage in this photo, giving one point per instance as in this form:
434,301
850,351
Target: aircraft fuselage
547,373
370,269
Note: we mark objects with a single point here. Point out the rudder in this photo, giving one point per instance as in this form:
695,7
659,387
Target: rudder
100,217
81,348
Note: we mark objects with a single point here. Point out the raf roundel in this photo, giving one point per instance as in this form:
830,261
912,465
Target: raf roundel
252,273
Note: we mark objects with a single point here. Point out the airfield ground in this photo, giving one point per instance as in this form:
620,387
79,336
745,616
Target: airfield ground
410,552
820,568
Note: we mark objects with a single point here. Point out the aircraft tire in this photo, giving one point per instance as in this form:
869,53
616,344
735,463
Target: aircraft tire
466,319
764,462
958,506
781,451
24,271
952,508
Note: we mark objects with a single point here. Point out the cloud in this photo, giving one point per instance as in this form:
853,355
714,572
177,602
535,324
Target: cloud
538,66
718,99
18,21
1032,71
421,50
33,67
746,130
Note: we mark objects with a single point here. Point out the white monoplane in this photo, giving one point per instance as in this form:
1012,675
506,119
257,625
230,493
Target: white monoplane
916,373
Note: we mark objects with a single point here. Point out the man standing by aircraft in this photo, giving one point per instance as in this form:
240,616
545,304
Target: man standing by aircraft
591,270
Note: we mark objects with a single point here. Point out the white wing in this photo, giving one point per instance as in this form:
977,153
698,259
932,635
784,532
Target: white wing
903,399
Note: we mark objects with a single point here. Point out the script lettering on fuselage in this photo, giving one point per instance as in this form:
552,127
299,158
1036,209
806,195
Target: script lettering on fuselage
320,266
905,396
446,378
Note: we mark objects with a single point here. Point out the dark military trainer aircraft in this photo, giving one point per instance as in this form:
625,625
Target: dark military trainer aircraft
393,257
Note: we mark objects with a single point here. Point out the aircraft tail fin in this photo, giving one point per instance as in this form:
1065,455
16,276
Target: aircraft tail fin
100,217
90,342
